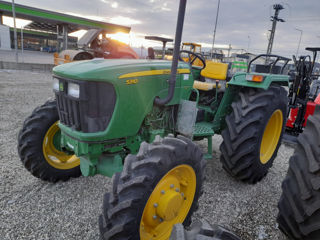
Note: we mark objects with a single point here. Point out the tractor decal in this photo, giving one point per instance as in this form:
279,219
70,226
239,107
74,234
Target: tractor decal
152,72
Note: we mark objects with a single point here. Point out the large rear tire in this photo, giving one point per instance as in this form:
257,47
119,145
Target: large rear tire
253,134
38,146
158,187
299,205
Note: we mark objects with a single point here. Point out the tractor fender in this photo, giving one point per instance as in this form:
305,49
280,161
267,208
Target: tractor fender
240,80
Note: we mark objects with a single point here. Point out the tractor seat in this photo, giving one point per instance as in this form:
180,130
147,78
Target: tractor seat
215,70
205,86
212,72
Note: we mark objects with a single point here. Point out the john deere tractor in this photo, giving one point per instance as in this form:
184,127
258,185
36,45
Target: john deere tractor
134,120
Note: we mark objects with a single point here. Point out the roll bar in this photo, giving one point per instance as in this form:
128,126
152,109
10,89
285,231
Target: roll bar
278,58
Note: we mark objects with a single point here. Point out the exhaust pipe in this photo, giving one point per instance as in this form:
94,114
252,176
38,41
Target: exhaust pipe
176,51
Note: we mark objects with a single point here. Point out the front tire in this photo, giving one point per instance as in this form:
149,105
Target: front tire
299,205
38,146
158,187
253,133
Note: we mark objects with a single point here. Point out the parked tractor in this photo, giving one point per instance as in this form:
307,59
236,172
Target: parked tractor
134,120
91,46
303,92
195,49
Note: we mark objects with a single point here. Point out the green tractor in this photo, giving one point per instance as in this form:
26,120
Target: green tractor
134,121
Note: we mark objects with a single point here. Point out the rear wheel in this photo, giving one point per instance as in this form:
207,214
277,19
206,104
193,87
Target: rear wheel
299,205
39,146
253,134
157,188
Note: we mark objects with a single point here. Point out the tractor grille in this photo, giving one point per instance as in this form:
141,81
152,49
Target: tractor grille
69,112
89,113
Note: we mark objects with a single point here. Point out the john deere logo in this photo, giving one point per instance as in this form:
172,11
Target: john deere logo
61,87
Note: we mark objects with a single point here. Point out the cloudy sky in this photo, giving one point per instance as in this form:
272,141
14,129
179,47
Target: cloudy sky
242,23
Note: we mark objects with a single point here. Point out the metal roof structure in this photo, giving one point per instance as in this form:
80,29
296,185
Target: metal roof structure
48,27
161,39
48,20
156,38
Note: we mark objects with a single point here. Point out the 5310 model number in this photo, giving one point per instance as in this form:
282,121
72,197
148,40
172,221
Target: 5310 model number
132,81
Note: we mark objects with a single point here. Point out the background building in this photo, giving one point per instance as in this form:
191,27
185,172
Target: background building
48,30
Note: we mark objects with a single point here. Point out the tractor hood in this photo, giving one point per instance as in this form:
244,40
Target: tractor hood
136,84
111,69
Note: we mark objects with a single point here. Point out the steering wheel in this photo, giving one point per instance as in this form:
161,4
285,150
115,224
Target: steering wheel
192,57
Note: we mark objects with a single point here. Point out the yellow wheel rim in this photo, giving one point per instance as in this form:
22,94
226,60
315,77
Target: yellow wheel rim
53,156
271,136
169,203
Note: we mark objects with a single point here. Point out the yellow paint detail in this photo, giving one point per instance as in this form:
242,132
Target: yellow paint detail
215,70
204,86
53,156
132,81
169,203
271,136
152,72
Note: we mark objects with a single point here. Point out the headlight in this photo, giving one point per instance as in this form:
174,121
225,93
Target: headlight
55,84
74,90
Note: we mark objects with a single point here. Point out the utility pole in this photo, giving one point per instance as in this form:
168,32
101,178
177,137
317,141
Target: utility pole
22,44
299,40
215,29
274,19
15,31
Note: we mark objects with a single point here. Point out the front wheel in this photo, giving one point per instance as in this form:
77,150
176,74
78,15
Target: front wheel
39,146
253,134
157,188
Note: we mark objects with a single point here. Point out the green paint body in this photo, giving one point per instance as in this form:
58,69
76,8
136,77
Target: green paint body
134,101
135,114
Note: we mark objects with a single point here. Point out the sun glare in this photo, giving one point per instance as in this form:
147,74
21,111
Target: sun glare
119,36
20,23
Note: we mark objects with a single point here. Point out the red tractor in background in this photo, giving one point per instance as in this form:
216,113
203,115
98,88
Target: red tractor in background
303,94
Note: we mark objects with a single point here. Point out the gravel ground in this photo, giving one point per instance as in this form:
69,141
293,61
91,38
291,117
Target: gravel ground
32,209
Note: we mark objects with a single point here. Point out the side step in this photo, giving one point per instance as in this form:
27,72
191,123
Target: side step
204,129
